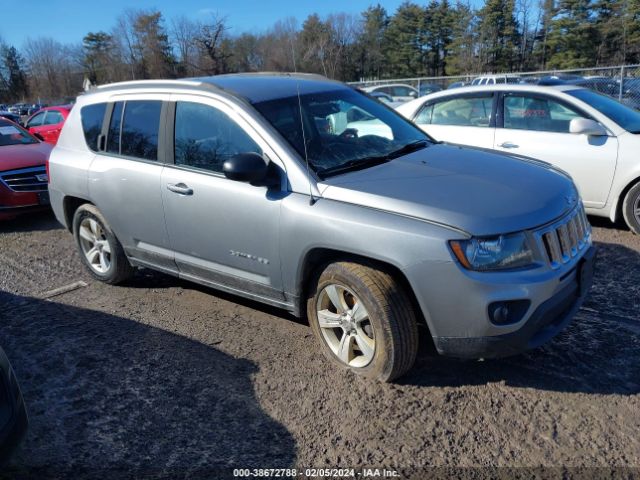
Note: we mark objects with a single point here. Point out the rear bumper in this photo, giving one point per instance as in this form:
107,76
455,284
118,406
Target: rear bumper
13,413
548,319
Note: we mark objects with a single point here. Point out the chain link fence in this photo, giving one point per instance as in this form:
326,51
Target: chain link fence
621,82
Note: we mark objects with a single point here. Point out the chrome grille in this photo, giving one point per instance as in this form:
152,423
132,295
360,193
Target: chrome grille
26,179
566,238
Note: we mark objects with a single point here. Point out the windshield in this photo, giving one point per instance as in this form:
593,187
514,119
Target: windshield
343,130
626,117
11,134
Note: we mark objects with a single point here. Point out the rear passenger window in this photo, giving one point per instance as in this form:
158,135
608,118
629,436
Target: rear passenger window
140,126
462,111
205,137
52,118
92,116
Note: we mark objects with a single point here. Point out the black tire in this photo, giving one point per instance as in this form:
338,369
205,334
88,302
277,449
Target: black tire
119,269
631,208
390,313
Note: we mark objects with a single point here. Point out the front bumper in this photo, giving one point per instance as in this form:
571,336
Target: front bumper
547,320
13,204
13,413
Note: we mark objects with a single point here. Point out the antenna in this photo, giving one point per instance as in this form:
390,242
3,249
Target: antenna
312,200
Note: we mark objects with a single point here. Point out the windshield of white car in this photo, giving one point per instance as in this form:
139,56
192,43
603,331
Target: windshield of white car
626,117
11,134
344,130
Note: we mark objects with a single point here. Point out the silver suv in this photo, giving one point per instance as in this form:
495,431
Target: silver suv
306,194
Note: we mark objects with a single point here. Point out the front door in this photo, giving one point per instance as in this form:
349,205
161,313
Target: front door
222,231
537,126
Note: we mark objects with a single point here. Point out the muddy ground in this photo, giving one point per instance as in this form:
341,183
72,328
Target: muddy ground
163,378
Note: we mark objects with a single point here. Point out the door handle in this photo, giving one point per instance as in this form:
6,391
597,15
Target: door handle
180,188
508,145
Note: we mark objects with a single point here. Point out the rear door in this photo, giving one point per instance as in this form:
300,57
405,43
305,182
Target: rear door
51,126
124,177
466,119
537,126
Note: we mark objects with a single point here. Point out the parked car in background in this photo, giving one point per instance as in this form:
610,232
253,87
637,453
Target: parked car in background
591,136
47,123
34,108
427,88
365,230
19,109
456,85
496,79
10,116
386,99
398,91
23,176
13,413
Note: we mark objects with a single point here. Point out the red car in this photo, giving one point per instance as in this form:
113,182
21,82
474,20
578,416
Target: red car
47,123
23,176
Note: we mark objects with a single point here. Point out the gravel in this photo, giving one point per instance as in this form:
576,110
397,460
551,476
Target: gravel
161,378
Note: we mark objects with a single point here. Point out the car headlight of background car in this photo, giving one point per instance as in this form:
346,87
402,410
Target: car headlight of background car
494,253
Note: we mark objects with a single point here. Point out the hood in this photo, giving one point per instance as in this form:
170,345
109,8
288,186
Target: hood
13,157
480,192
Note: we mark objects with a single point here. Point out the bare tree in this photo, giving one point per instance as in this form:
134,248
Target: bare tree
184,33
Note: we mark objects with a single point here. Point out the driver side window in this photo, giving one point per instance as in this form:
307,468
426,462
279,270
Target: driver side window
206,137
37,120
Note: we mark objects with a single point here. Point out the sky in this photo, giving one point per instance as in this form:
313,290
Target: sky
67,21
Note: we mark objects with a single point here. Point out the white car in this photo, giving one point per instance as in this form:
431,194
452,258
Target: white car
398,91
592,137
496,79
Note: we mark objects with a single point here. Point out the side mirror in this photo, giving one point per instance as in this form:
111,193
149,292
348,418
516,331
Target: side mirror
245,167
586,126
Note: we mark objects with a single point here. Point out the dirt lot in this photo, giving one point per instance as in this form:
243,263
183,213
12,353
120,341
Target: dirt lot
163,378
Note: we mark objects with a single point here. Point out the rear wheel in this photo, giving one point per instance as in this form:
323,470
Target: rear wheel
631,208
100,250
363,320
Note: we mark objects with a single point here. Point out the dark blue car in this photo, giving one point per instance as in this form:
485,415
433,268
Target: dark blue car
13,414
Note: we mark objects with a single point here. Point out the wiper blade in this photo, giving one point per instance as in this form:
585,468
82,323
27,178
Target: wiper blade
360,163
353,165
408,148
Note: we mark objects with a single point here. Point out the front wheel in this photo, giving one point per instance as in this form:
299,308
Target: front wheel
99,249
363,320
631,208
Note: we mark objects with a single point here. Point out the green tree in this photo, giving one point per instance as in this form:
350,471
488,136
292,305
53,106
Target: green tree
498,35
12,74
573,36
371,42
404,41
152,44
98,56
438,35
462,55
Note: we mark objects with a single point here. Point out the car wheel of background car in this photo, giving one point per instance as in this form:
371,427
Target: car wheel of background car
363,320
631,208
99,249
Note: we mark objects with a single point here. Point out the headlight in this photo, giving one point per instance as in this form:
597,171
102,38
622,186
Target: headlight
495,253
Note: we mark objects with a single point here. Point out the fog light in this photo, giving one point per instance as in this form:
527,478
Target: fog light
511,311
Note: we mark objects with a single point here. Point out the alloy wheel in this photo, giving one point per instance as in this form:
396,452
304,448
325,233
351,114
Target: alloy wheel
345,325
95,245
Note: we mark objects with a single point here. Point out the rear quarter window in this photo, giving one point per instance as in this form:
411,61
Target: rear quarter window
92,117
